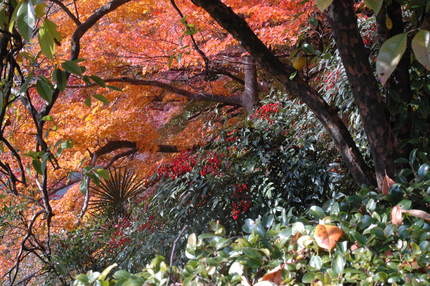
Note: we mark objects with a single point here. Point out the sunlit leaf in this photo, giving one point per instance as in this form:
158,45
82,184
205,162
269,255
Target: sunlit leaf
389,56
421,47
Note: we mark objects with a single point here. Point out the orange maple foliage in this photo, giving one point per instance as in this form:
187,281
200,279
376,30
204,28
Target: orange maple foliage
141,39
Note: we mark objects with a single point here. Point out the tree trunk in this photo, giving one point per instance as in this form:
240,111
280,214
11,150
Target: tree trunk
399,93
240,30
249,96
374,115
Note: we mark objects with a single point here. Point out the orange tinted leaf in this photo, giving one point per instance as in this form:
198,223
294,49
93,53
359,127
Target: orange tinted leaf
327,236
396,215
274,275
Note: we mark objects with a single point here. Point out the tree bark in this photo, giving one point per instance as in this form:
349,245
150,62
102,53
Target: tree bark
250,94
370,102
240,30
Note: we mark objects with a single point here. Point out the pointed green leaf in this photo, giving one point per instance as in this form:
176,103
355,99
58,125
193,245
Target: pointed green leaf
323,4
338,264
44,89
421,47
375,5
389,56
59,77
72,67
46,42
26,19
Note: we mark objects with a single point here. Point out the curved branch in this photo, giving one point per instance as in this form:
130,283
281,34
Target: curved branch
68,12
75,43
297,87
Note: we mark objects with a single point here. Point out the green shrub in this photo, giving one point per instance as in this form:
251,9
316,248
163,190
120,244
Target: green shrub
372,251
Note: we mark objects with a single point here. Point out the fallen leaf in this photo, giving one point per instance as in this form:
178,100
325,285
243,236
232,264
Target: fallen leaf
327,236
274,275
418,213
396,215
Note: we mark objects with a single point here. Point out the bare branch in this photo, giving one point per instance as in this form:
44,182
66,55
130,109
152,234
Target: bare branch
68,12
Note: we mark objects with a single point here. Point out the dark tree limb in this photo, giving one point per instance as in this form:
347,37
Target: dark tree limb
374,114
193,40
67,11
240,30
250,95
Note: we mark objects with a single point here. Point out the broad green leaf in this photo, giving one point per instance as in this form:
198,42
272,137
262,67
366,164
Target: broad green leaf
315,262
389,56
338,264
26,19
72,67
101,98
317,212
59,77
375,5
37,165
48,38
421,47
46,43
44,89
323,4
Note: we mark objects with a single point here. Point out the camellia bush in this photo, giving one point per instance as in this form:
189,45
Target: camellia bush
360,239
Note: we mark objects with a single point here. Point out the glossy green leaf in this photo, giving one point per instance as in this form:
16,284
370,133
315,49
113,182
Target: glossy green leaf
48,38
389,56
421,47
375,5
315,262
338,264
59,77
26,19
45,89
72,67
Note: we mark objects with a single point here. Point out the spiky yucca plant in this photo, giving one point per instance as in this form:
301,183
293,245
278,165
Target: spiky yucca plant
112,196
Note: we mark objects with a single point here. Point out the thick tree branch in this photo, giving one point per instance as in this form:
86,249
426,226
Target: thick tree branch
355,58
240,30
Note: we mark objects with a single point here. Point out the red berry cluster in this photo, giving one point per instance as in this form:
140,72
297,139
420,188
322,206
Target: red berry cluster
118,238
182,164
241,200
212,165
266,111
